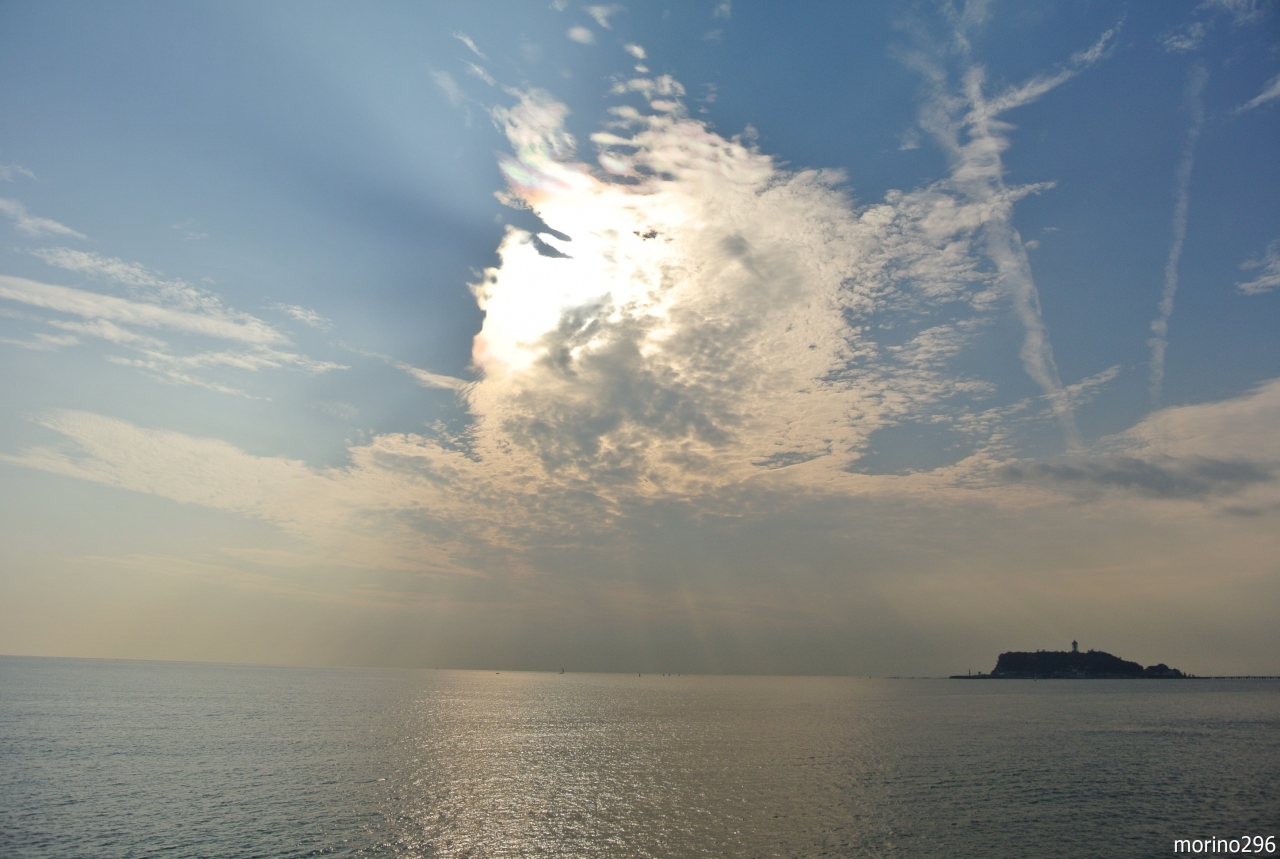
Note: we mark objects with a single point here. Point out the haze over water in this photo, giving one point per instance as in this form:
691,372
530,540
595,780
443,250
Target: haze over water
122,759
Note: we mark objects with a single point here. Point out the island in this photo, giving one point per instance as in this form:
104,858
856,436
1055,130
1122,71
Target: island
1071,665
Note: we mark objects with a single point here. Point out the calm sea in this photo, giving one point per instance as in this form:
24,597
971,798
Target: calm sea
131,759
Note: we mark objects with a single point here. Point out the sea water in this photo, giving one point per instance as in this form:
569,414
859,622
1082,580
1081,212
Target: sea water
141,759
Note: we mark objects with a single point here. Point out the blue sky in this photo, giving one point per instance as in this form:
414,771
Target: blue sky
718,336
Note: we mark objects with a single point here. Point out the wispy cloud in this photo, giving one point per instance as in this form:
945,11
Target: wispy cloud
305,316
33,225
1241,11
190,230
447,85
1159,341
466,40
1188,37
96,306
581,35
1270,92
9,171
602,14
143,283
482,74
965,121
1268,268
723,9
428,379
157,305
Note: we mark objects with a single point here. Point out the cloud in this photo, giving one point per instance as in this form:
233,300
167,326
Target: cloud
142,282
635,51
32,225
466,40
1224,452
1268,267
159,305
305,316
581,35
96,306
1165,477
602,14
8,171
1159,341
1270,92
190,230
723,9
1188,37
432,380
964,120
1241,11
448,86
478,72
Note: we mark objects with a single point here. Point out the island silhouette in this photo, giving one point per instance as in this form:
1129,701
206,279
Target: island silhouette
1071,665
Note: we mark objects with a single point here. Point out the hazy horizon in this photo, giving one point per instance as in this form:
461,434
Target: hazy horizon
717,338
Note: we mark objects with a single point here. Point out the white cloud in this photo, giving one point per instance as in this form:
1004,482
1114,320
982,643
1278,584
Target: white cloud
1268,268
1241,11
1270,92
635,51
8,171
157,305
1186,38
305,316
93,305
965,122
478,72
602,14
142,282
466,40
723,9
428,379
1159,341
32,225
448,86
581,35
190,230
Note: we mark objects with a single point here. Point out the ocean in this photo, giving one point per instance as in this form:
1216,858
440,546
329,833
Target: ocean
104,759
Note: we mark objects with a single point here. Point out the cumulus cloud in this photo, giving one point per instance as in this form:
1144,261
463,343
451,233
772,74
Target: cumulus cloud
581,35
697,328
699,318
1268,267
33,225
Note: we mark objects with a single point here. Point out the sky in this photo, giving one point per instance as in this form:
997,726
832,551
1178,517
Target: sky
870,339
